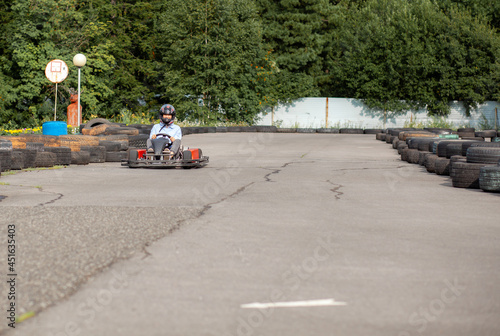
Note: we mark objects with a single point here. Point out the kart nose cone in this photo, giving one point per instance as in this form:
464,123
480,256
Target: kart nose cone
159,144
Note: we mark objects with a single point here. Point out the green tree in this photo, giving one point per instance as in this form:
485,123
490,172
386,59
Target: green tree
298,34
116,37
214,64
397,55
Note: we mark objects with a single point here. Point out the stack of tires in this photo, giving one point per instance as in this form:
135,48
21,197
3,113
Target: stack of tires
480,157
470,161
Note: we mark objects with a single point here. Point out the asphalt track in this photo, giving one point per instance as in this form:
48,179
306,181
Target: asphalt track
281,234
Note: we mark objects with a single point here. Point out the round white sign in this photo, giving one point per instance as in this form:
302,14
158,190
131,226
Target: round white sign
56,71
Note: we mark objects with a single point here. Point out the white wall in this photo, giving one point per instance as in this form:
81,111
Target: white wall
349,113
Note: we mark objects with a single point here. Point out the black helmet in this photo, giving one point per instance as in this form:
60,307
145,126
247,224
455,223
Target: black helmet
167,109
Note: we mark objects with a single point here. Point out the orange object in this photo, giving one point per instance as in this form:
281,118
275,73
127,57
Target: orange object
141,153
195,153
73,111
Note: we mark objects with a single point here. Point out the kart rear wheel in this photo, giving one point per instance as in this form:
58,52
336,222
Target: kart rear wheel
133,155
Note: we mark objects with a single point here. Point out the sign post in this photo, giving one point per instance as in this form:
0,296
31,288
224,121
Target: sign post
56,71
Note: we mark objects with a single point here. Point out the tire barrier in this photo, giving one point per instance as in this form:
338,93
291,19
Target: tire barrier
351,131
430,164
80,158
483,155
97,153
442,166
306,130
5,144
17,160
472,163
63,155
45,159
489,178
5,159
116,156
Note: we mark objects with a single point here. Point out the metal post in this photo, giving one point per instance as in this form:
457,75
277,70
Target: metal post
496,118
272,115
326,117
78,97
55,105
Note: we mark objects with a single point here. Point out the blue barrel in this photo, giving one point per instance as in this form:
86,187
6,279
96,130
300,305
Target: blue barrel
55,128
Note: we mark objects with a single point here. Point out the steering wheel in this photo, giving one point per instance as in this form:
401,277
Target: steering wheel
164,135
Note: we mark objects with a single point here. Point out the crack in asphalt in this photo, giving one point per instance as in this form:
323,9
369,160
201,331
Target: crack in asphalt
335,190
209,205
277,171
52,201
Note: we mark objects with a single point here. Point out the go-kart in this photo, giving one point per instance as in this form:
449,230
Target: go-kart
162,157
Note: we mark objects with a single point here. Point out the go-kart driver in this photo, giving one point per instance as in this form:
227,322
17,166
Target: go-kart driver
166,128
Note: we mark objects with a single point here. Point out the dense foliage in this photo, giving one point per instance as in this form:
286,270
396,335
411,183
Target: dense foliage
225,60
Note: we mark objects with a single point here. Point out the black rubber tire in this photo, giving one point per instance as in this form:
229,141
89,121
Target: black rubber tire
63,155
467,144
286,130
5,144
413,155
97,153
29,157
430,163
266,129
453,149
111,146
453,159
389,138
401,145
133,155
380,136
96,122
466,130
187,155
5,159
45,159
438,130
38,146
80,158
138,141
121,130
441,147
442,166
487,134
466,175
468,136
372,130
489,178
422,157
221,129
485,144
185,131
306,130
47,140
351,131
115,156
113,137
17,160
395,142
483,155
404,154
328,130
233,129
248,129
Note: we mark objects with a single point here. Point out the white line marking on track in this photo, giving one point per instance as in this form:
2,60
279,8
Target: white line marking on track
292,304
